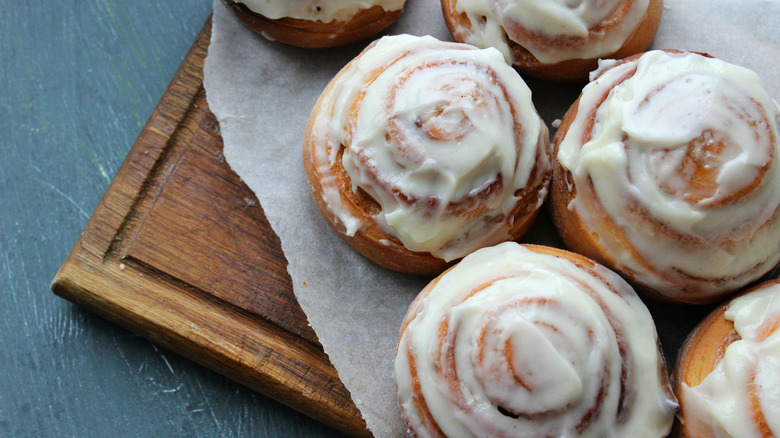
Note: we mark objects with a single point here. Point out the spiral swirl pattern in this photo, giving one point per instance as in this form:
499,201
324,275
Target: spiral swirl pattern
441,140
672,162
739,397
522,341
551,30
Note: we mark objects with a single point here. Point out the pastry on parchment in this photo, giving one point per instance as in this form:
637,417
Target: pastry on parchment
558,40
316,23
667,170
420,151
531,341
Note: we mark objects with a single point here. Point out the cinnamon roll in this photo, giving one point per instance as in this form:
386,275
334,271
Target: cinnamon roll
558,40
667,171
727,375
526,341
316,23
420,151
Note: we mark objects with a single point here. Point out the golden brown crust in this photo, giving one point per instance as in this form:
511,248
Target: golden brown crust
576,235
375,243
698,356
589,240
701,352
370,240
574,232
574,70
316,34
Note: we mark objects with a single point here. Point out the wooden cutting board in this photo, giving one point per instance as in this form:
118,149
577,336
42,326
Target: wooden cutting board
179,251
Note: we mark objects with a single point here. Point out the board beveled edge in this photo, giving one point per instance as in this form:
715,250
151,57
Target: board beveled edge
213,333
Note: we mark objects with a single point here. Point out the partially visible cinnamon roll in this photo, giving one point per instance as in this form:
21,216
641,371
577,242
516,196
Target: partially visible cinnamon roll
559,40
668,171
527,341
420,151
727,374
316,23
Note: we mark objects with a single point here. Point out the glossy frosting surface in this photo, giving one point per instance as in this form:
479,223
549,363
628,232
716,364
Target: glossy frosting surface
317,10
748,376
511,342
442,136
689,145
568,21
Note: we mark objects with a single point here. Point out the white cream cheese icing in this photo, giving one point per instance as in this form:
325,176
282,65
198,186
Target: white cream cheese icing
427,128
492,22
751,363
511,342
317,10
673,110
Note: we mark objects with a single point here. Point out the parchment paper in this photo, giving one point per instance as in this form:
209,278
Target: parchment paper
262,93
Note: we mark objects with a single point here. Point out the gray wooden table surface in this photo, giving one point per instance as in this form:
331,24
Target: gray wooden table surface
78,79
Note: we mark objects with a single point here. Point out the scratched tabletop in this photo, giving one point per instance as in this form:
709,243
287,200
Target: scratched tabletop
78,80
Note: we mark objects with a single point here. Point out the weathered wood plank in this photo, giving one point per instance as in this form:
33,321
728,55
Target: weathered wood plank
180,252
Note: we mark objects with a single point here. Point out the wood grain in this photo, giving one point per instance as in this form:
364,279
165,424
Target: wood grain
179,251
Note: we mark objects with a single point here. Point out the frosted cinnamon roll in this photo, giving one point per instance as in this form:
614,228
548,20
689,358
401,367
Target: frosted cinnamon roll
316,23
527,341
559,40
420,151
727,375
667,171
